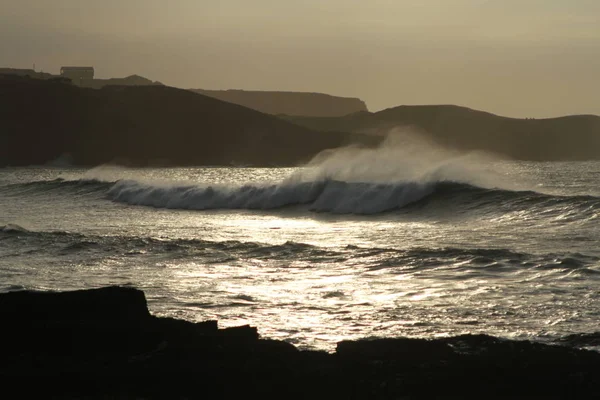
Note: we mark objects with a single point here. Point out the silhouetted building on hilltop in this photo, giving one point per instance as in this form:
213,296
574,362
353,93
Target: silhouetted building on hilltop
77,75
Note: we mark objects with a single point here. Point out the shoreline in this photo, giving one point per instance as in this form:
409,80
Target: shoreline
105,343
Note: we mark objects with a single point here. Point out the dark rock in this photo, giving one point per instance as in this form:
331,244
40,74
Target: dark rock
183,333
277,348
581,340
244,333
118,350
76,324
405,350
103,304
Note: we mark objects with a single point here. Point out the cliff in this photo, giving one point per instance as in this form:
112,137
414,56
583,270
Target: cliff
43,120
289,103
575,137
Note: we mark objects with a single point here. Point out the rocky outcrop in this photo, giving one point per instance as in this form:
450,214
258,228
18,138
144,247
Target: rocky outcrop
289,103
104,304
103,343
43,120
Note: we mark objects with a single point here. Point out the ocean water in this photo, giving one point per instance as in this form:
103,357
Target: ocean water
358,243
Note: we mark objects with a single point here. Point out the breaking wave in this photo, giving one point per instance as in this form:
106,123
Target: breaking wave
76,186
344,197
323,195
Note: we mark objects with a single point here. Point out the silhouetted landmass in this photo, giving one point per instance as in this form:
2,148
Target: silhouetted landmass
132,80
25,72
289,103
43,120
575,137
104,343
83,77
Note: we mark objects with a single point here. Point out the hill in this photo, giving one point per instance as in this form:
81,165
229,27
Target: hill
289,103
132,80
145,125
575,137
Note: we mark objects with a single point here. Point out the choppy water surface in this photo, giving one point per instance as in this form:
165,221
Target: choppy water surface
333,251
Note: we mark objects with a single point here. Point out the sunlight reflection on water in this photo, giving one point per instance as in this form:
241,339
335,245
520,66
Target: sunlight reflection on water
313,278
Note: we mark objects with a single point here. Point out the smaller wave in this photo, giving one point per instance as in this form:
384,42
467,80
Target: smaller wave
78,186
12,228
11,288
443,263
458,264
16,231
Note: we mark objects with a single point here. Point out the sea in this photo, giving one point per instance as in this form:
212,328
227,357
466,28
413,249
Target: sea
397,241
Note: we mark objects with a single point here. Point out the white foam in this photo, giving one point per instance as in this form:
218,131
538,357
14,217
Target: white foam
327,195
404,169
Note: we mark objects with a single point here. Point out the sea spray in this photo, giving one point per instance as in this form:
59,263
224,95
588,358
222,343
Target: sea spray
404,156
402,170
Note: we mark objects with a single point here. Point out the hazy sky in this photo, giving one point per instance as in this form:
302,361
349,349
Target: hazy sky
521,58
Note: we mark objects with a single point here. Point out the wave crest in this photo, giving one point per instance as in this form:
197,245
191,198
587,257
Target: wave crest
78,186
363,198
13,228
327,195
321,196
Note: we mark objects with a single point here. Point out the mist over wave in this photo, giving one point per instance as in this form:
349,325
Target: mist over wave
401,171
403,157
404,170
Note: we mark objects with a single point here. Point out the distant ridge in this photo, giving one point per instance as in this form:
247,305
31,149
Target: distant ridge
289,103
132,80
49,121
573,137
78,80
46,120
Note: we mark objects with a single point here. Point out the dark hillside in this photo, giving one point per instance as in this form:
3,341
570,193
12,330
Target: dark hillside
575,137
145,125
289,103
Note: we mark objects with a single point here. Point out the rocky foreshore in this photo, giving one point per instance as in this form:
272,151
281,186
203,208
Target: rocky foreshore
104,343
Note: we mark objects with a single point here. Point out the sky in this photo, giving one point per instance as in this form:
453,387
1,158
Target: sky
517,58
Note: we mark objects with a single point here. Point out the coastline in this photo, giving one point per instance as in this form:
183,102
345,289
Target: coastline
104,342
